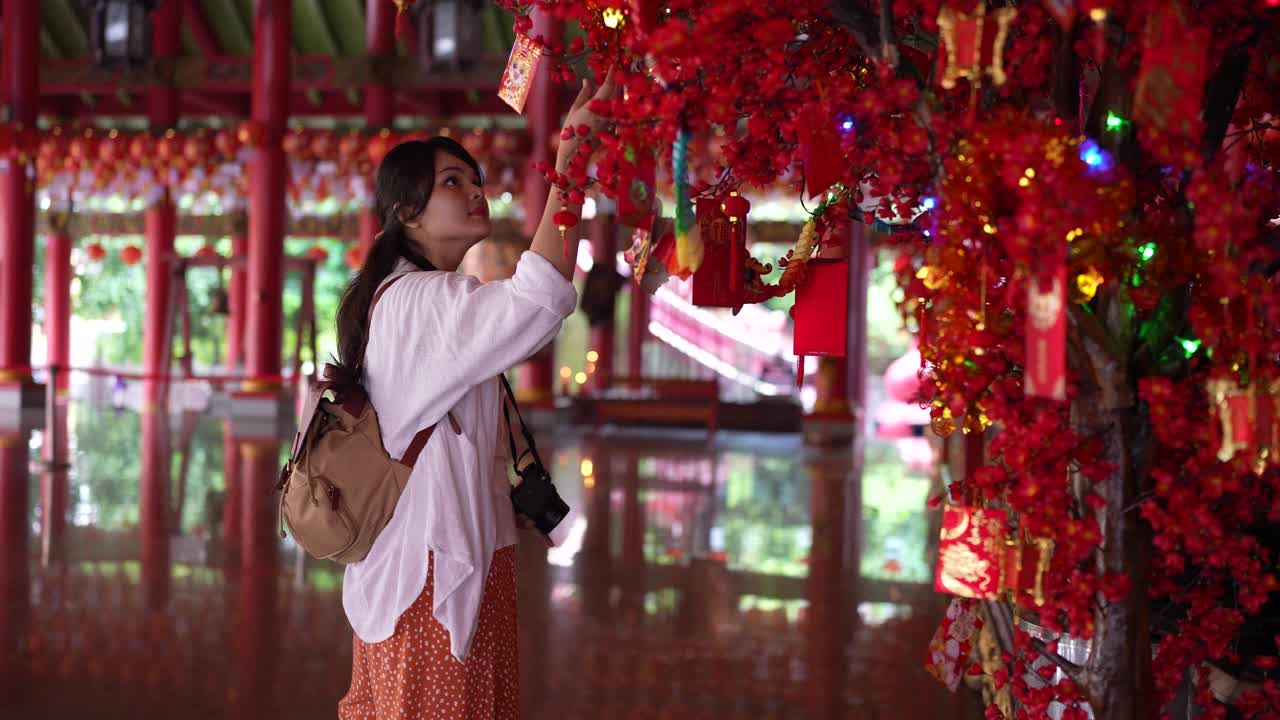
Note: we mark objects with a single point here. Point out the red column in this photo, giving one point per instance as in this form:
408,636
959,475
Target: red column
153,525
267,185
57,304
257,627
827,624
231,501
20,58
537,374
161,218
379,99
54,488
237,296
161,229
637,330
604,249
15,570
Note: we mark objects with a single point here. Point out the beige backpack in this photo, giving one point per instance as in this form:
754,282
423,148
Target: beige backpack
340,487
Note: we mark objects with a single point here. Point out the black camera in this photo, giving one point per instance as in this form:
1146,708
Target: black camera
536,498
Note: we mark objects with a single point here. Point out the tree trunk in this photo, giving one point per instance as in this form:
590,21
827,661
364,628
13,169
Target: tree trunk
1118,677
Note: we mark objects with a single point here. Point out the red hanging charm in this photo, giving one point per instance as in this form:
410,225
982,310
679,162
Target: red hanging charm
821,311
1046,331
1234,407
522,67
973,44
970,552
401,7
718,282
564,220
820,150
1170,87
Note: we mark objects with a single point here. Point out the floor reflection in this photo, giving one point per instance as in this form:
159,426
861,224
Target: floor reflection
143,576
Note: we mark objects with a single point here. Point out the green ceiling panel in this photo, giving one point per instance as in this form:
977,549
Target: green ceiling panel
311,34
233,36
48,46
63,23
347,21
189,46
245,11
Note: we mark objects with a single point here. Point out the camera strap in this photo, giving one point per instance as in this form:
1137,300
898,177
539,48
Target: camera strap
524,429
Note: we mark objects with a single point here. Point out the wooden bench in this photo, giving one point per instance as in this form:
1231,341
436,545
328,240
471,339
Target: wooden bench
658,401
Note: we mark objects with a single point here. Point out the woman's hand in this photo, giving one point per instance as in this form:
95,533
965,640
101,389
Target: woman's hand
580,114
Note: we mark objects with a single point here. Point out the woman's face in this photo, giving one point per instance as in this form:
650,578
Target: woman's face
456,216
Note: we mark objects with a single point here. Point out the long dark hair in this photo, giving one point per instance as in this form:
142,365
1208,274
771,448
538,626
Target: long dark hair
405,179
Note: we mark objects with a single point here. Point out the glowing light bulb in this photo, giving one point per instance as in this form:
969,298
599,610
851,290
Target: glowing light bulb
593,356
612,18
928,203
1146,252
586,467
580,378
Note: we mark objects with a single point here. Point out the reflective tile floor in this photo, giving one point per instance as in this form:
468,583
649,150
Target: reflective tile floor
743,577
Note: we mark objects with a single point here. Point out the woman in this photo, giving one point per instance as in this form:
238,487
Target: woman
433,605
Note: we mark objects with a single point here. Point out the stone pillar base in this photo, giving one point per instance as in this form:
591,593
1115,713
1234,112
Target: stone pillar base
828,430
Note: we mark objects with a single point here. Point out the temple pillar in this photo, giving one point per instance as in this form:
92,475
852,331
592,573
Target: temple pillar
379,98
19,63
57,303
237,294
262,390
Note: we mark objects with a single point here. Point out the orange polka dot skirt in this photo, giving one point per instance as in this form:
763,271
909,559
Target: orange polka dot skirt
413,676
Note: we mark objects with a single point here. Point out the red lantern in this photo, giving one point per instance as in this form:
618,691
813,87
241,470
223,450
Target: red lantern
95,252
724,246
109,150
348,147
379,146
196,150
476,142
207,251
83,148
295,143
318,254
130,255
354,256
53,146
821,311
322,145
227,143
140,149
168,147
251,133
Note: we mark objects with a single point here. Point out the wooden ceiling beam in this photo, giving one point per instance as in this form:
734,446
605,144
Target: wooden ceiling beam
198,22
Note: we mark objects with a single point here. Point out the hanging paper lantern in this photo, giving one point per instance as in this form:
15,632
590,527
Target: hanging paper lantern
95,252
379,146
196,150
141,148
251,133
348,147
294,143
131,255
53,145
476,142
318,254
354,256
109,149
168,147
322,144
227,143
207,251
83,148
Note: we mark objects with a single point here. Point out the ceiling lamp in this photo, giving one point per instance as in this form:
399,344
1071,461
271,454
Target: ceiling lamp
120,31
449,32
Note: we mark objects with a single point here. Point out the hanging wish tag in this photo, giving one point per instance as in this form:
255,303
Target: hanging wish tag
522,66
1046,359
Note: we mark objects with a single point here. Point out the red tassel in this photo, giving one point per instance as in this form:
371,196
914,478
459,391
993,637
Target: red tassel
401,6
799,371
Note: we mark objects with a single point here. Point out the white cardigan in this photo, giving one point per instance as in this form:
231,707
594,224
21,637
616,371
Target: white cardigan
437,342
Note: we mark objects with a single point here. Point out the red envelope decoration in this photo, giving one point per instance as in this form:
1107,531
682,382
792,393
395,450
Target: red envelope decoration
1234,407
718,281
1026,564
970,552
522,68
1170,85
820,151
821,311
953,641
1046,333
973,44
